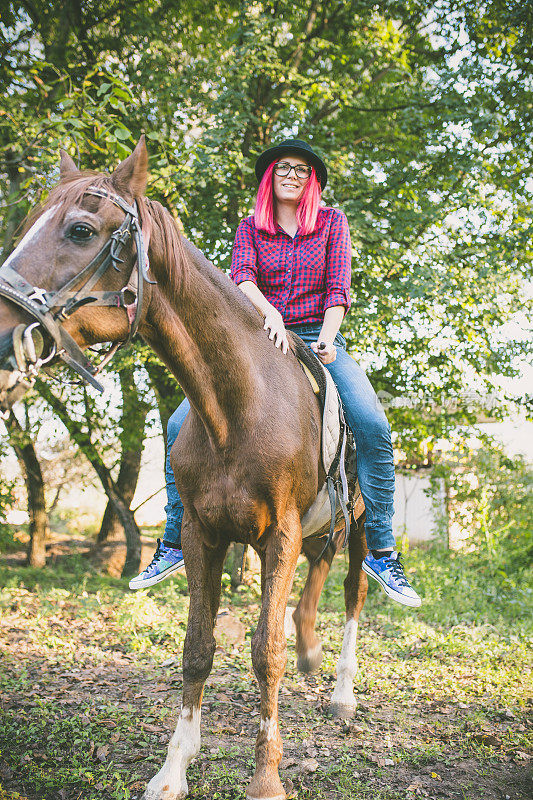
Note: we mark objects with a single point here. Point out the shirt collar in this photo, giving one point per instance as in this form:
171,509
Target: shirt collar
320,222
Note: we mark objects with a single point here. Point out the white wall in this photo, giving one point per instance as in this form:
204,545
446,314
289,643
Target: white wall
413,509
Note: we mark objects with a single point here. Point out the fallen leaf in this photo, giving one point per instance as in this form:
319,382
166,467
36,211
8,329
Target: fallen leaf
152,728
290,790
288,762
486,738
101,753
309,765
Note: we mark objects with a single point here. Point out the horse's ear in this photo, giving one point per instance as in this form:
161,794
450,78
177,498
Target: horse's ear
131,175
67,167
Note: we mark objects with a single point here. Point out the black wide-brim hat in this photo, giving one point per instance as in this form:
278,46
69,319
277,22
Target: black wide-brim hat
298,147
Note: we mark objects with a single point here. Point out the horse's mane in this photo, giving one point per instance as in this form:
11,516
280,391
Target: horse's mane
71,192
155,217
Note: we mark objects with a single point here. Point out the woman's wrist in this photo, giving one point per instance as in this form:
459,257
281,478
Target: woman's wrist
333,317
256,296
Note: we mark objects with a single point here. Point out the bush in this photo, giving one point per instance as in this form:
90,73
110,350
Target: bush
490,499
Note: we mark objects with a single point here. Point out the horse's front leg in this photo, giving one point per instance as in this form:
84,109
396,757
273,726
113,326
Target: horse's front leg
204,573
269,653
343,702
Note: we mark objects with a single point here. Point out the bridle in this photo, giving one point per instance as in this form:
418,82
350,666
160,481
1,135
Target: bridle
51,309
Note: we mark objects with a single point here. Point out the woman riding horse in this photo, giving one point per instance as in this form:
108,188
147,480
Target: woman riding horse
292,259
248,455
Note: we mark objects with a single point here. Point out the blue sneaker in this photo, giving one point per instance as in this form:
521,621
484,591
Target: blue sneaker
388,571
165,562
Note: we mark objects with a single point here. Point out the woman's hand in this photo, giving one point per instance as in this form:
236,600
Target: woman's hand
327,353
274,324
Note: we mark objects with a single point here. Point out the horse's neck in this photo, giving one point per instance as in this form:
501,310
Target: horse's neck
205,333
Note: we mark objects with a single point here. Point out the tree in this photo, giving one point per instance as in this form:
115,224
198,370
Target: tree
23,445
86,436
426,131
422,110
131,437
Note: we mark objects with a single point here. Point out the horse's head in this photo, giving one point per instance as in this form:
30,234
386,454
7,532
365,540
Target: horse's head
72,280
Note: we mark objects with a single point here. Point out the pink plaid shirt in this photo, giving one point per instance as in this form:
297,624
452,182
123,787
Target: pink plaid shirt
303,276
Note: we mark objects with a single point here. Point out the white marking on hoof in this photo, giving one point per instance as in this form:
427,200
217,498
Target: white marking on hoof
343,698
170,783
288,624
339,711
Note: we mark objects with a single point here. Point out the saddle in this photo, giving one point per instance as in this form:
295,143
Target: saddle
336,498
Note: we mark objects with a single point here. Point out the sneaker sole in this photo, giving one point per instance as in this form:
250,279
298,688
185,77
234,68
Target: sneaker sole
135,584
412,602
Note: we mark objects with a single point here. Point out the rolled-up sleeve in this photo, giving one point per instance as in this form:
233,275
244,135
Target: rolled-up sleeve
338,263
244,254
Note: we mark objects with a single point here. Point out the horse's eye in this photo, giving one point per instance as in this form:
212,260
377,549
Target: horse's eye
80,232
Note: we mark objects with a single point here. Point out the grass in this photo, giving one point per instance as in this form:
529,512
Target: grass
91,676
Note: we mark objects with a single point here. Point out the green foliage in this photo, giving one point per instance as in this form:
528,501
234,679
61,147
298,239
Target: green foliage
421,110
8,541
490,499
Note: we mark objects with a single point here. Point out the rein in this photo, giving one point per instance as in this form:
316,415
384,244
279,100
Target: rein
51,309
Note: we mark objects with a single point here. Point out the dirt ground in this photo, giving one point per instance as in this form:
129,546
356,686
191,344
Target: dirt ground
90,680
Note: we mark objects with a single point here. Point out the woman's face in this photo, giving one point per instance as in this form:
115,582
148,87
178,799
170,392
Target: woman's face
290,188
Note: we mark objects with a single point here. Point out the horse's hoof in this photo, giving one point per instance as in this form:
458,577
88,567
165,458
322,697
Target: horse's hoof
266,788
163,791
310,661
342,710
280,796
276,797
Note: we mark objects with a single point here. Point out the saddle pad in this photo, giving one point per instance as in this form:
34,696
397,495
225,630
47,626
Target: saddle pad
331,425
319,515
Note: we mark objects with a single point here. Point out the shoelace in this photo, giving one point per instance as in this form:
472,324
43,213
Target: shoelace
396,568
157,555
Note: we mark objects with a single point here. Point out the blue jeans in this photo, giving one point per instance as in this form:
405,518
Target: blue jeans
372,432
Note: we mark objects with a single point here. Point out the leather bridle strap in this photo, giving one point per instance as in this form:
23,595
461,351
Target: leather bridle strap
50,309
65,345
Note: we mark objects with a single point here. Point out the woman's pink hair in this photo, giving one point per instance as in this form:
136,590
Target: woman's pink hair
308,206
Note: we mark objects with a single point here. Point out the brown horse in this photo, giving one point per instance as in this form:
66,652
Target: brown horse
247,459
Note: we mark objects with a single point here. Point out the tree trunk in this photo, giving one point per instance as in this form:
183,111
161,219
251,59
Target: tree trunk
15,214
31,469
251,566
121,508
110,529
132,437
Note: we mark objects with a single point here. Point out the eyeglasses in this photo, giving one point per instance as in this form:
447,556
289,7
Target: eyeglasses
283,168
